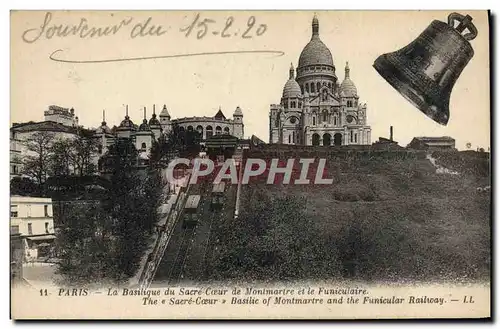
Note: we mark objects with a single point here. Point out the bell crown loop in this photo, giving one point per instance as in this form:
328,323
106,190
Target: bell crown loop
464,22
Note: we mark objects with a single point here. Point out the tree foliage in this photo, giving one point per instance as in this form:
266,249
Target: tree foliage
176,142
114,236
74,156
47,156
85,245
264,244
24,186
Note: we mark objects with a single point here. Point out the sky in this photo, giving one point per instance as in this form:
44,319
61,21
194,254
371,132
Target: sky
199,85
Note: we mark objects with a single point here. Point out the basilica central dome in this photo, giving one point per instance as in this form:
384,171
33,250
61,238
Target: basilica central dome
316,66
315,52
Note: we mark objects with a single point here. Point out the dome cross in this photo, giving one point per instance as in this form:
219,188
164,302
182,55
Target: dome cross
291,71
315,26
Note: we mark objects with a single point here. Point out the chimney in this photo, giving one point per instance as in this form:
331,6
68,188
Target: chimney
391,134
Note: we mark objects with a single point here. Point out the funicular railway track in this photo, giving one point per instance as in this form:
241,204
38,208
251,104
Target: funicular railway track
194,265
221,214
175,273
180,260
189,255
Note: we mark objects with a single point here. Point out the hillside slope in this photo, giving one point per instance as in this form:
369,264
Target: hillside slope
383,219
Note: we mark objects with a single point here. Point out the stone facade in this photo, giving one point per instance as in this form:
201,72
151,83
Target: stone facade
63,123
32,219
148,131
432,143
59,121
211,126
315,109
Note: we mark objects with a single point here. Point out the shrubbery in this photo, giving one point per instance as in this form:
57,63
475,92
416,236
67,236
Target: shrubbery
465,162
391,223
103,241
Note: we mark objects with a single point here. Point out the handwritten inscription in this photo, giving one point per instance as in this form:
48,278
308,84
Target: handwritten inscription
197,25
83,30
203,26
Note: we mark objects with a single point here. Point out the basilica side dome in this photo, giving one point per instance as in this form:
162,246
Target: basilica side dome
291,88
348,88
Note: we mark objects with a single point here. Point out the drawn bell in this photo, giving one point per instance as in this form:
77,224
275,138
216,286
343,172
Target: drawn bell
425,71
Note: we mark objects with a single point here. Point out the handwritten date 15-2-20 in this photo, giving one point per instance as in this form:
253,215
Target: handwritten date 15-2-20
203,26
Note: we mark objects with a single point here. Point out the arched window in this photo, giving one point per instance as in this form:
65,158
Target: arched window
190,128
335,120
293,105
351,136
314,120
182,133
312,87
355,138
307,87
318,85
199,129
277,123
218,130
315,139
289,139
226,130
300,104
210,131
143,146
325,116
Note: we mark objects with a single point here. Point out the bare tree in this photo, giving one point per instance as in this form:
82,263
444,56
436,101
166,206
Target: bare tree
62,156
74,156
84,150
36,161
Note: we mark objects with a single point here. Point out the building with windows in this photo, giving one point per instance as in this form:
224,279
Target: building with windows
148,131
432,143
315,109
32,219
62,124
59,122
209,126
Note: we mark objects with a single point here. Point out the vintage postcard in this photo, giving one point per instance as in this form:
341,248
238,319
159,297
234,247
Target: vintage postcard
250,165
